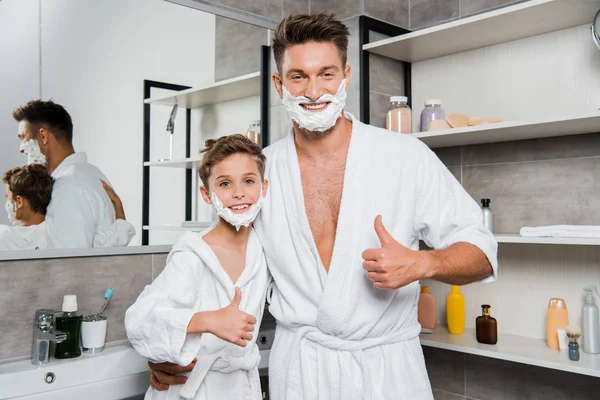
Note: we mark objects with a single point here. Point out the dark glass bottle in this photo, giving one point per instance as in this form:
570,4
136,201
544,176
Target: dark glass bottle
486,327
69,322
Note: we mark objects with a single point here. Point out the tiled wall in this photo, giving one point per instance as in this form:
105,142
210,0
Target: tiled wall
28,285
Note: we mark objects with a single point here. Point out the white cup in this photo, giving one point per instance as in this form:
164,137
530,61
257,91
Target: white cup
93,334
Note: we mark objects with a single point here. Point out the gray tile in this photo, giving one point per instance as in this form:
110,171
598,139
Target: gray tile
424,13
470,7
440,395
270,9
446,370
491,379
386,75
533,150
376,36
538,193
295,7
456,171
380,103
450,156
237,48
33,284
395,12
341,8
159,262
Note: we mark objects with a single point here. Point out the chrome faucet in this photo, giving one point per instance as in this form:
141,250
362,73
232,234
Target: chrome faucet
44,336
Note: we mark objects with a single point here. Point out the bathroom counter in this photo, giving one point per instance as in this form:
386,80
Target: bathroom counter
514,348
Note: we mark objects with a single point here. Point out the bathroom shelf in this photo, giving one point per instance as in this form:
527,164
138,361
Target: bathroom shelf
523,20
218,92
547,240
513,348
187,163
175,228
508,131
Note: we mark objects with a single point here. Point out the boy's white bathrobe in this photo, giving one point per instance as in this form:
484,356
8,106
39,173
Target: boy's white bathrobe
338,337
193,281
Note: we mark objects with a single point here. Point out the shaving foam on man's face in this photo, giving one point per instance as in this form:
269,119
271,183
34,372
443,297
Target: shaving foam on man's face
29,145
236,191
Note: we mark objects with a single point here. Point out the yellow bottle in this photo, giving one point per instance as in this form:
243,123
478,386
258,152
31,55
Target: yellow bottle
455,311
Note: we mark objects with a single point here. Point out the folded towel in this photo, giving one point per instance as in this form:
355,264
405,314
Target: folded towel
567,231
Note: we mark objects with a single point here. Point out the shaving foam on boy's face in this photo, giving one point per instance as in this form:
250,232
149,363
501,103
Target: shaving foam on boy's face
236,190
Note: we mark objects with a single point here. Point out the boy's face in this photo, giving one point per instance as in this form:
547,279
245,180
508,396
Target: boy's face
17,202
236,181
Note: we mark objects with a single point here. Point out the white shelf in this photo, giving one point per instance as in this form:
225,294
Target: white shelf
514,348
218,92
547,240
507,131
523,20
175,228
188,163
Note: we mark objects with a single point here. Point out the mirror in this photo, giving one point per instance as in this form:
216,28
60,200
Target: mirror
93,58
595,27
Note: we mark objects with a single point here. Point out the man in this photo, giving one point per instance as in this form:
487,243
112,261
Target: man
80,210
28,191
340,227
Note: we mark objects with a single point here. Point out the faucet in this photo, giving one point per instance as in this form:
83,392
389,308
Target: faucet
44,335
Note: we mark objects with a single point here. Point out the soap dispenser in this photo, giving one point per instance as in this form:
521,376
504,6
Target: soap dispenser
591,322
69,322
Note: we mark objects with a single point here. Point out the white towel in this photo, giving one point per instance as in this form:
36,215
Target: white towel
337,336
566,231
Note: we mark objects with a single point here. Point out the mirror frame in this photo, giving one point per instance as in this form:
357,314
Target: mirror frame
17,255
595,28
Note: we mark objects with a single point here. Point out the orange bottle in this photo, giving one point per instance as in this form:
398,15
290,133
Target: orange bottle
557,317
427,310
455,311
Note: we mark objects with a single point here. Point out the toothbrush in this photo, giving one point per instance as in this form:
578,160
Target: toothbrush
107,296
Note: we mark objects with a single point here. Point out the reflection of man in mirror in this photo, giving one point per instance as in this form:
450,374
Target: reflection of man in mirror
80,213
28,191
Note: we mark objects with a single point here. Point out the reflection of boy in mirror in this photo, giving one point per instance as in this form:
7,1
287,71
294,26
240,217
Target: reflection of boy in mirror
81,214
28,191
28,194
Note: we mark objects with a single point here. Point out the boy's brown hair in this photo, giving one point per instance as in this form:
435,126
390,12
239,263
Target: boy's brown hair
217,150
33,182
305,28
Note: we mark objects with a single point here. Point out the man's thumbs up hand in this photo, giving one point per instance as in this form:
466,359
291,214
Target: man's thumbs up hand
393,265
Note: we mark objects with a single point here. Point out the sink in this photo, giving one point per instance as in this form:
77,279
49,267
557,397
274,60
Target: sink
118,372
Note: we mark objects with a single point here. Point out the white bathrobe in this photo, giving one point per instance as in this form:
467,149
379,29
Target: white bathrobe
80,213
338,337
32,237
194,281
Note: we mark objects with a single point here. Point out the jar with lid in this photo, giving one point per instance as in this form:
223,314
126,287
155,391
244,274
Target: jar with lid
253,132
398,117
432,111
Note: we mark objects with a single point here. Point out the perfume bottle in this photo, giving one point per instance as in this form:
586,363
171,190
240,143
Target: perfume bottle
486,327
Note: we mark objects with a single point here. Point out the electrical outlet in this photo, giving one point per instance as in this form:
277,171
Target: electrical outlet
265,339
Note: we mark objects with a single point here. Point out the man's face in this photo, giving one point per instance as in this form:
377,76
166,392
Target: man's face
25,133
312,70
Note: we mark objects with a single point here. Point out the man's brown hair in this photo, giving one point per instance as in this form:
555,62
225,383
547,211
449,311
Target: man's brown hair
32,182
304,28
47,115
217,150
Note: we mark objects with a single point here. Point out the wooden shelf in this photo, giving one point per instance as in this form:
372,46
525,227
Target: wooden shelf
508,131
513,348
218,92
523,20
187,163
547,240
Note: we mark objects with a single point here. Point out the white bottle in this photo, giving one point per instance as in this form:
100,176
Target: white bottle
591,322
488,217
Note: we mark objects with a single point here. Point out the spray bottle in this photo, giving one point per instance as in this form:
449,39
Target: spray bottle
591,322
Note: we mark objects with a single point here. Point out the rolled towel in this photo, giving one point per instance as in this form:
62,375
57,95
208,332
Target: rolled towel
566,231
